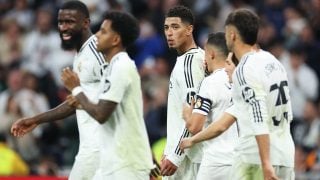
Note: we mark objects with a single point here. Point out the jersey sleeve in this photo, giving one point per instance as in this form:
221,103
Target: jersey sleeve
193,75
204,99
254,94
116,84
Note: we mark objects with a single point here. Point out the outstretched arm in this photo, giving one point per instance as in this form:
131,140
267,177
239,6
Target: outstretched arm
25,125
212,131
101,111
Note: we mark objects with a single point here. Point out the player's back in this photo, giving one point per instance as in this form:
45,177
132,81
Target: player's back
261,96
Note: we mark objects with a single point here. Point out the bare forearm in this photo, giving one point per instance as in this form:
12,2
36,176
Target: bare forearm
263,142
100,112
60,112
215,129
195,123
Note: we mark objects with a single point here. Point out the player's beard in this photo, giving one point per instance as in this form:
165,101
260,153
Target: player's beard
73,43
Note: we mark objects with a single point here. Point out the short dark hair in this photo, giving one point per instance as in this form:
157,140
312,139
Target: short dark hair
247,23
76,5
218,40
184,13
125,25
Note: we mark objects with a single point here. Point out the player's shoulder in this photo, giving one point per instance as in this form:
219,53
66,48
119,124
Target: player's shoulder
89,50
122,62
197,53
193,53
218,77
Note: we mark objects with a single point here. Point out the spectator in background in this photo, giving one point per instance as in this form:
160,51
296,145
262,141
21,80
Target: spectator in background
150,44
14,83
37,51
39,54
302,81
15,103
22,13
11,163
311,46
295,22
11,43
307,133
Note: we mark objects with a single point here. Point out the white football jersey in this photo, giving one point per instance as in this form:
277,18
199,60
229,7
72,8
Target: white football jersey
185,80
88,64
124,135
262,105
212,100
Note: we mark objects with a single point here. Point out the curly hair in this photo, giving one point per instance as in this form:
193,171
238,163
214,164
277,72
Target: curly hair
184,13
247,23
125,25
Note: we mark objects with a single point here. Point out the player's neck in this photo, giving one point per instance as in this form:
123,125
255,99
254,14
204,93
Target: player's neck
112,52
85,37
186,46
218,65
241,49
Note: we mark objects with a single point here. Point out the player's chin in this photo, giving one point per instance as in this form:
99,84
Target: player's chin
99,48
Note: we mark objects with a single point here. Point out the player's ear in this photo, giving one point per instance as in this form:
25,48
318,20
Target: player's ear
116,40
212,54
189,30
86,23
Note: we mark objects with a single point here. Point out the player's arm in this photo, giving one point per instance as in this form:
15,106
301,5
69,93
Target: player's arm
194,121
212,131
263,142
254,94
193,75
25,125
100,111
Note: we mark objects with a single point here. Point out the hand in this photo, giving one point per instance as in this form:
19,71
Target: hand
167,167
70,79
268,173
23,126
186,143
72,101
155,172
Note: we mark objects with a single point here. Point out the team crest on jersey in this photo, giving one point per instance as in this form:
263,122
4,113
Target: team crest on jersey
248,94
198,103
191,95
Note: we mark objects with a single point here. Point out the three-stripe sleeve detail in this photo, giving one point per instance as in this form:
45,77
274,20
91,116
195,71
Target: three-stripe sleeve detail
185,133
188,70
96,53
253,101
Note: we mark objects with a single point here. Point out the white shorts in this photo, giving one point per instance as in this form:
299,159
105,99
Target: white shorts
214,172
244,171
125,173
84,167
186,171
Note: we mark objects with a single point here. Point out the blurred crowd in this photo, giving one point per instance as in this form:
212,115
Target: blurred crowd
31,60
